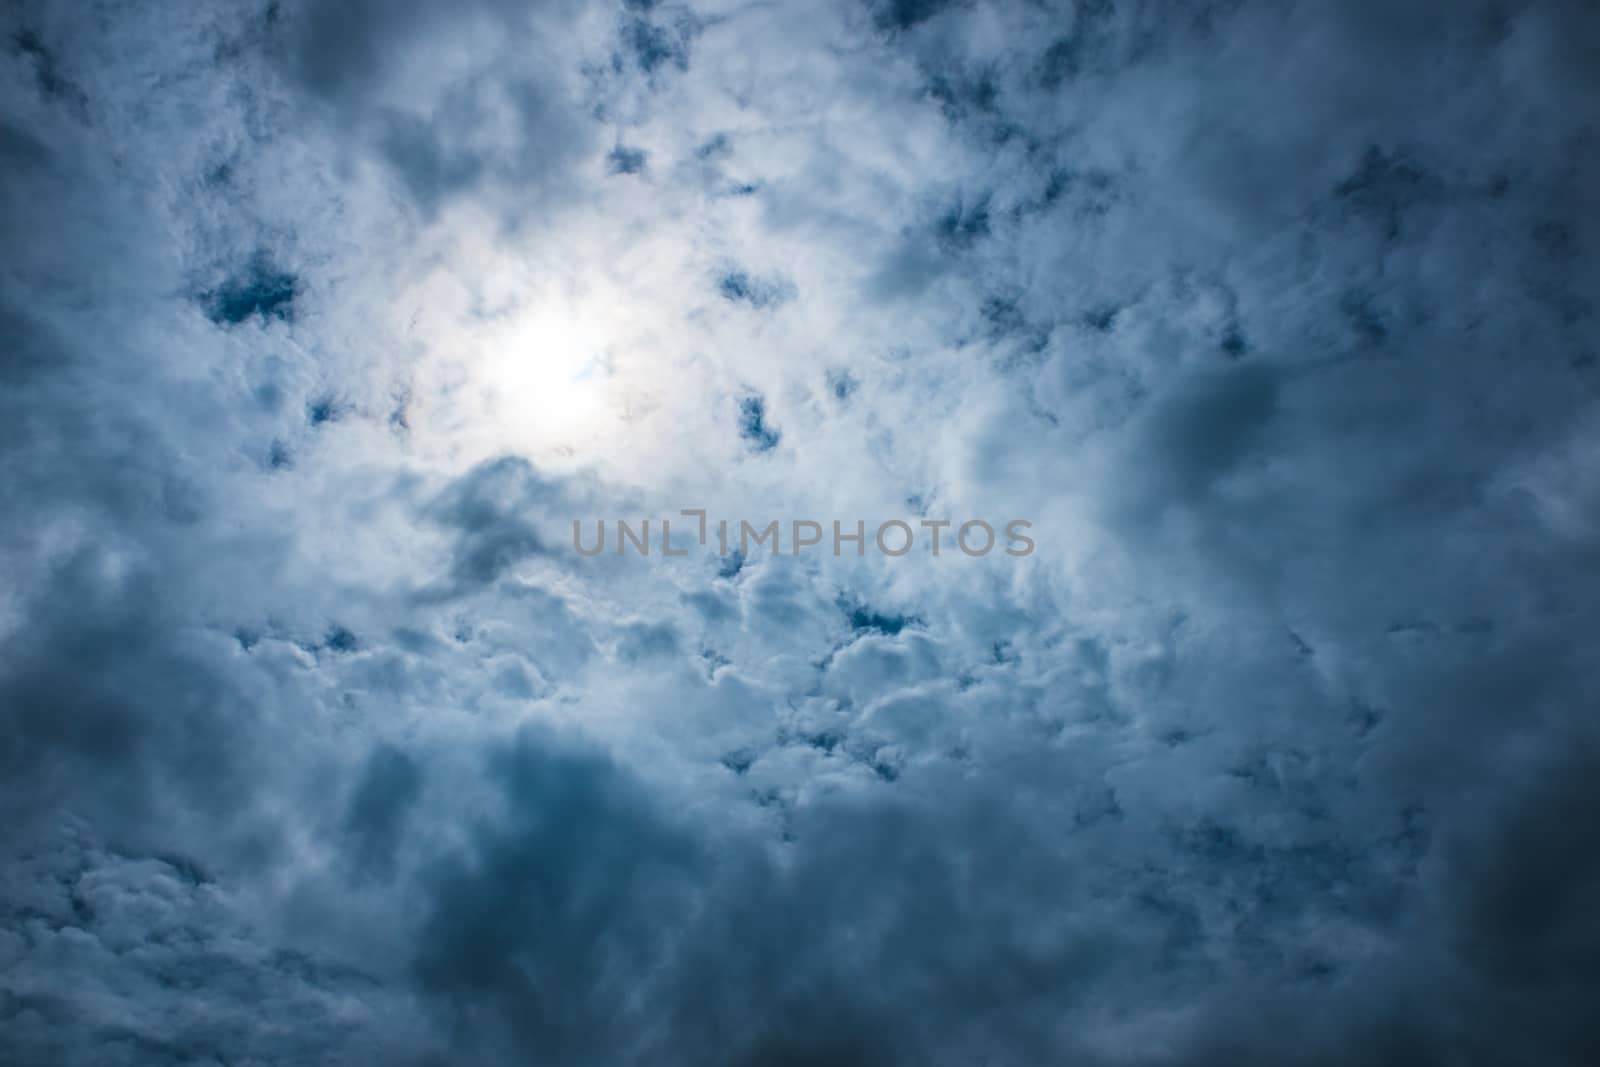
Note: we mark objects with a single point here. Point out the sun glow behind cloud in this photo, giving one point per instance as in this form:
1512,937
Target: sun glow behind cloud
595,345
546,375
516,356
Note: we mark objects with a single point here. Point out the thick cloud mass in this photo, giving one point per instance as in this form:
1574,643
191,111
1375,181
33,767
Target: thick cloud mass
322,323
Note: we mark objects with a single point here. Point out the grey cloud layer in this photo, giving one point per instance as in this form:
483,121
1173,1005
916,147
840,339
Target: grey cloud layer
319,744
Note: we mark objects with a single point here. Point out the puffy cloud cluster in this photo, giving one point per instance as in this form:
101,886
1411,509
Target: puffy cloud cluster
320,324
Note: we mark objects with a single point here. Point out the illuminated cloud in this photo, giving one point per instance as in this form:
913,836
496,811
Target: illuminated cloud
323,323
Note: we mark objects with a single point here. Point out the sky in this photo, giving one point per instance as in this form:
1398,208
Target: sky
322,324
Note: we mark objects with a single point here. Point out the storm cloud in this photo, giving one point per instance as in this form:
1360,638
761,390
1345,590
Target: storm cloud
321,325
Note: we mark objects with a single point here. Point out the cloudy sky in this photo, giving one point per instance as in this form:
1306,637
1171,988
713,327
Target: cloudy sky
322,323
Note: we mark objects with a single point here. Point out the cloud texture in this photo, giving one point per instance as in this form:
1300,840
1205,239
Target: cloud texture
320,325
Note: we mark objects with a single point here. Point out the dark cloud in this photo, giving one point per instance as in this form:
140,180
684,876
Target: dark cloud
339,51
379,807
536,933
425,162
52,82
317,743
585,905
1087,45
493,512
29,350
150,719
501,125
1206,427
